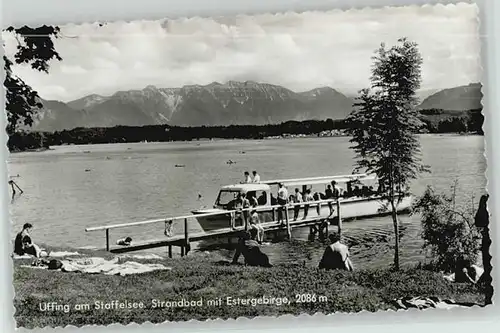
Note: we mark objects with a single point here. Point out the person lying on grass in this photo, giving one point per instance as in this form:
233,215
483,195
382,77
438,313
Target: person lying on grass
249,248
336,255
23,243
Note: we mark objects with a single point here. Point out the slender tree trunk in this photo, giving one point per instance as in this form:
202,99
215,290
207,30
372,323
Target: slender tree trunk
396,233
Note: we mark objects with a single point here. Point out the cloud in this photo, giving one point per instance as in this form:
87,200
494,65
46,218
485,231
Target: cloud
301,51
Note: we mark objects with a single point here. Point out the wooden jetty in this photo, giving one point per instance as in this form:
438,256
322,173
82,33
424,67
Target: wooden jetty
317,226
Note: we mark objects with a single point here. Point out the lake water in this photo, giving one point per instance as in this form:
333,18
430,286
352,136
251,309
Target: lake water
71,188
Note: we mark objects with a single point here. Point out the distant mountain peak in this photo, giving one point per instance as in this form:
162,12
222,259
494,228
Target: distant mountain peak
467,97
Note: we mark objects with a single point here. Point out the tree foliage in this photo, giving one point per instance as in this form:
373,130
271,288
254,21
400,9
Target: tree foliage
385,123
448,231
36,48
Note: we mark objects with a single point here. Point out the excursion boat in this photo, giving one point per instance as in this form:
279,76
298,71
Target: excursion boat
357,199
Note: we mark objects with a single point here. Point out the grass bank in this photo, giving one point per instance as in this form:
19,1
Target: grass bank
208,276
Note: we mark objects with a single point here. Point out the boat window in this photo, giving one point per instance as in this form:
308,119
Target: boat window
225,197
261,197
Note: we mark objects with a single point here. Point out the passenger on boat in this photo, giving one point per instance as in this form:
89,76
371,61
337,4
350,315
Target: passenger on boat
254,202
256,177
243,203
336,256
247,178
23,243
124,241
274,201
336,190
249,248
356,192
329,192
255,224
307,198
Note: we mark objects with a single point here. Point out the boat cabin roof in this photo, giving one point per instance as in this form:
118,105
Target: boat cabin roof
321,180
246,187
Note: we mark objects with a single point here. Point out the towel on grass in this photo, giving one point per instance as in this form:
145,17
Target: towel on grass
421,303
55,254
142,256
96,265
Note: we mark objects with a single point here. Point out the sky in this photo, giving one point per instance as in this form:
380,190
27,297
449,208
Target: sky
300,51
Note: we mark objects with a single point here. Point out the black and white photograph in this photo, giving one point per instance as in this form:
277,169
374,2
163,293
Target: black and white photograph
195,168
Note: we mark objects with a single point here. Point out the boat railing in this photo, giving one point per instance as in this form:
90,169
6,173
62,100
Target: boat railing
273,209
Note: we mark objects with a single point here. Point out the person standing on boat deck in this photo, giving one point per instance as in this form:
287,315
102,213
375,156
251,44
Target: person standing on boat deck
308,197
282,200
329,192
23,243
247,178
253,200
256,177
255,224
336,256
245,204
297,198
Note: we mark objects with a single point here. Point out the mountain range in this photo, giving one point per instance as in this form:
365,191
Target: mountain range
232,103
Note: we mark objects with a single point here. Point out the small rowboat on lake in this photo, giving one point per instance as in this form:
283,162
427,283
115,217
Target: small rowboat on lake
354,203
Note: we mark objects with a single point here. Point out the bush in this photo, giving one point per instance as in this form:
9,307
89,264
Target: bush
449,232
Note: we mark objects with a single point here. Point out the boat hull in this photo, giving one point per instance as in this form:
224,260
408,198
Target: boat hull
352,208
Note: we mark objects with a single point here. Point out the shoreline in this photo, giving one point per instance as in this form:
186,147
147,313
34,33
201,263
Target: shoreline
206,140
208,276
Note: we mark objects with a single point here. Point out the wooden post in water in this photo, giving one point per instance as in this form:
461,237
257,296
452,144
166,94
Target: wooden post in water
107,239
170,251
339,219
287,220
186,235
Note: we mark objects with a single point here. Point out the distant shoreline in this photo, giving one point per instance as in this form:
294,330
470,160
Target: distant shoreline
40,150
436,122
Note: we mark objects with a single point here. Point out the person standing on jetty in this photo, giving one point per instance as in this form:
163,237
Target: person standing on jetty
23,243
336,256
297,198
282,200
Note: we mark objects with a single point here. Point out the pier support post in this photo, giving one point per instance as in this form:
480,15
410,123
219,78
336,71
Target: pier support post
339,219
186,235
170,251
107,240
182,251
287,220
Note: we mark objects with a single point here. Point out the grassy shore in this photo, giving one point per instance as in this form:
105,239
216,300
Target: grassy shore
208,276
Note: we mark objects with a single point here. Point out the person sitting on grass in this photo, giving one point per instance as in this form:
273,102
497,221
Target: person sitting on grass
336,256
466,272
23,243
249,248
